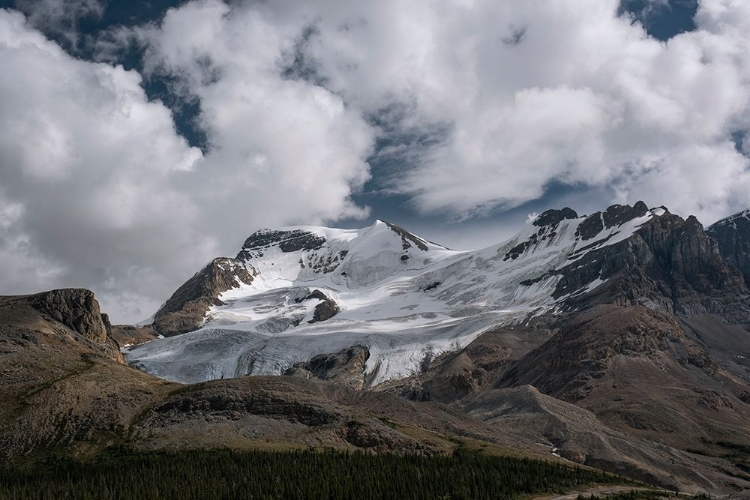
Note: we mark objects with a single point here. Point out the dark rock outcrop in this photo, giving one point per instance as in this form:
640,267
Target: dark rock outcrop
326,309
75,308
547,222
407,239
668,264
733,237
346,367
287,241
68,316
554,217
615,215
186,308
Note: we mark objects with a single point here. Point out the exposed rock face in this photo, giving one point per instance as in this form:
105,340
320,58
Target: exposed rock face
615,215
345,367
75,308
407,238
186,308
326,309
288,241
733,236
669,264
554,217
75,311
548,223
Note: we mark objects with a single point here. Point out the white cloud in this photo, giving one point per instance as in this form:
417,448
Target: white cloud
582,97
510,98
98,190
281,150
61,17
87,172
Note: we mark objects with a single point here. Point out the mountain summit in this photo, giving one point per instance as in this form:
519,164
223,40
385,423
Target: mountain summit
294,293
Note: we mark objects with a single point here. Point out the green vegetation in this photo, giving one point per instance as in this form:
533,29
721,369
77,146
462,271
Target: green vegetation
122,473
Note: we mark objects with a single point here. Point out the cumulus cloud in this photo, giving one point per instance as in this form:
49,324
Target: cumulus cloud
98,190
585,97
477,105
581,97
87,165
61,17
284,146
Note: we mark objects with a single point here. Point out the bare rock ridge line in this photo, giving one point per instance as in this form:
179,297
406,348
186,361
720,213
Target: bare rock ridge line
186,308
288,241
613,216
407,238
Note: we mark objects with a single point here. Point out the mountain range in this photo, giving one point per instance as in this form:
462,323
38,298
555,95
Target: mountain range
619,340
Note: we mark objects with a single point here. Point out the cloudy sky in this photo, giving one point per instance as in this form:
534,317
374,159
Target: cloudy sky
139,139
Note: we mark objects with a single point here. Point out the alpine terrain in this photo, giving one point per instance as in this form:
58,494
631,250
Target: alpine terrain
618,340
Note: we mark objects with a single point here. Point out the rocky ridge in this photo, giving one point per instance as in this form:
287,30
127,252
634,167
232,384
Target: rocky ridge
186,309
669,264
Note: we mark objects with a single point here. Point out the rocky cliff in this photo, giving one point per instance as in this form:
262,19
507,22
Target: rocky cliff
187,307
75,310
669,264
733,237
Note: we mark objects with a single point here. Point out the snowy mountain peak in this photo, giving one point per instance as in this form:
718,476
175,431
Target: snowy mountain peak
293,239
311,290
564,232
348,257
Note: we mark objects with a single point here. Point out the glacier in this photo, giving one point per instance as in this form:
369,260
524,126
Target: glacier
404,298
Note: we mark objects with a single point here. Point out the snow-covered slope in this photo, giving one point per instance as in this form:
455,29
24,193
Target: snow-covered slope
402,297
